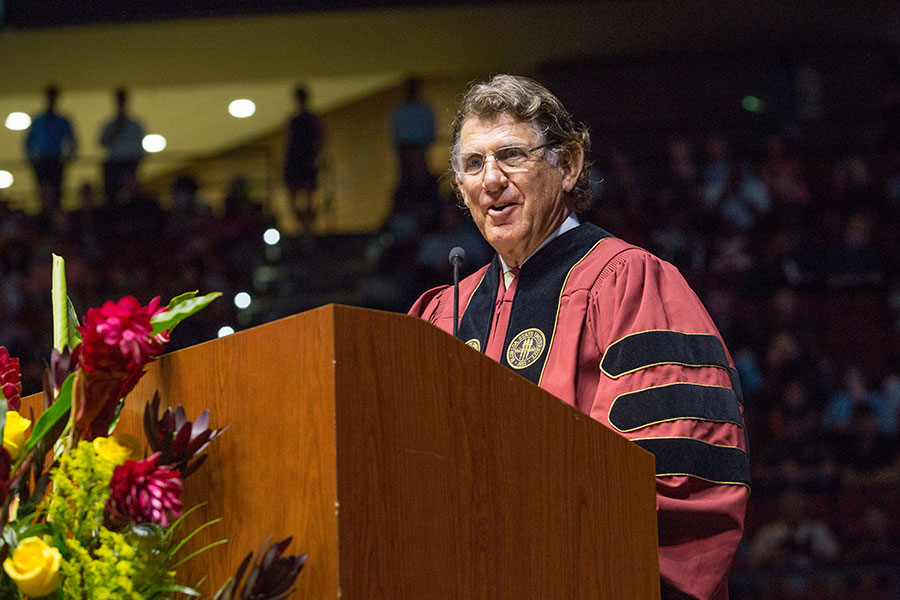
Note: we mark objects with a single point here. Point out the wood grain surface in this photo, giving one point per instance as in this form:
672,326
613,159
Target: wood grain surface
458,478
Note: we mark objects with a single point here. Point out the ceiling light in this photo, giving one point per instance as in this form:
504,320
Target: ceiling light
18,121
154,143
6,179
225,330
271,236
242,108
242,300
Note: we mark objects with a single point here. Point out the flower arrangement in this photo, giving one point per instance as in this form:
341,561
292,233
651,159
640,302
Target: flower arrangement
87,514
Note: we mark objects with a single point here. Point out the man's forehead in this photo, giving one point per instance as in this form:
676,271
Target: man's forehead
497,128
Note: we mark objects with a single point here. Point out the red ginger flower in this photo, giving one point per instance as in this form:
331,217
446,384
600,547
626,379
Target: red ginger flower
117,343
142,492
10,379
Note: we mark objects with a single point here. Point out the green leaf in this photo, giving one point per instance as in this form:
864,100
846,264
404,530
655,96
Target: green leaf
58,301
180,520
53,414
190,536
181,298
181,310
74,336
198,552
183,589
10,537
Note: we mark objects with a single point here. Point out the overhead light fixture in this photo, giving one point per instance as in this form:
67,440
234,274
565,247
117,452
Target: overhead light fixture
18,121
242,300
242,108
272,236
6,179
154,143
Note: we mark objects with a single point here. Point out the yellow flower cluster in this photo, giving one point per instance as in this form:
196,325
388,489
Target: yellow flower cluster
108,575
80,490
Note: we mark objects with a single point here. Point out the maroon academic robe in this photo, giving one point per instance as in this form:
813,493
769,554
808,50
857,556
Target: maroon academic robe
616,332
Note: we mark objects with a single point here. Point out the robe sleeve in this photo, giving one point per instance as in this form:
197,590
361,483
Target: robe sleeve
668,383
428,305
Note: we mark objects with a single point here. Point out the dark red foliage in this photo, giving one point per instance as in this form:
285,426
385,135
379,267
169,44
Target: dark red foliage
179,442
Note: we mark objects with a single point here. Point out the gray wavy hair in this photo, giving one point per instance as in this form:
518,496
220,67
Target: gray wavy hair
528,101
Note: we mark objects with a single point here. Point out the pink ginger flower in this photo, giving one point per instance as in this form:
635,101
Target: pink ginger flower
117,343
10,379
142,492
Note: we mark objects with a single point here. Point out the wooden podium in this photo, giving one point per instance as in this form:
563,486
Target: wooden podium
407,465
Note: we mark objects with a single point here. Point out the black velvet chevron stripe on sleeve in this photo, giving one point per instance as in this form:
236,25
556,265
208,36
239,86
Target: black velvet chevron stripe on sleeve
659,347
640,408
687,456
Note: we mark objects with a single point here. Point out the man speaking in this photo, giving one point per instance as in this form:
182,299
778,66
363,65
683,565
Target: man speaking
602,324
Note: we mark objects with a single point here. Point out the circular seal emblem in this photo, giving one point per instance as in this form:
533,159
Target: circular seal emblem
474,343
525,348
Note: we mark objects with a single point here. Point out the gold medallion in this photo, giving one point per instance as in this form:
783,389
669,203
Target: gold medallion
474,343
525,348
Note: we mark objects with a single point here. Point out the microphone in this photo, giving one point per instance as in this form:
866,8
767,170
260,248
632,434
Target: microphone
457,256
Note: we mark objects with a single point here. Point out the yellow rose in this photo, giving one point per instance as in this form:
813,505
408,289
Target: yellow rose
34,567
14,433
118,448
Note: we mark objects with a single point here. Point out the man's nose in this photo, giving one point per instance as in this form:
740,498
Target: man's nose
494,177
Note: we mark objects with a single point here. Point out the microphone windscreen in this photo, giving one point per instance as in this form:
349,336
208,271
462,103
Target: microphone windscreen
457,254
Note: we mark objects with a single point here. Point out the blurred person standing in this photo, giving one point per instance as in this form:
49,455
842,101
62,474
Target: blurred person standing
122,137
49,145
304,140
412,131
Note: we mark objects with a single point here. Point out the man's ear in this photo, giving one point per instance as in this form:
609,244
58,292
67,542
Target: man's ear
571,160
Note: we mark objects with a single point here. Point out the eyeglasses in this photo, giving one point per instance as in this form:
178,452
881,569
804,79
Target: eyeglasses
510,159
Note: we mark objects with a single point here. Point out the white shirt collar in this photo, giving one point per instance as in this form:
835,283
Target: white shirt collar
571,222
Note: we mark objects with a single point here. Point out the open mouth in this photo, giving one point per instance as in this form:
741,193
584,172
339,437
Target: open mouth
496,208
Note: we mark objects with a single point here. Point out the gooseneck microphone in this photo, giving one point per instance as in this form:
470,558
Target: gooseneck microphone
457,256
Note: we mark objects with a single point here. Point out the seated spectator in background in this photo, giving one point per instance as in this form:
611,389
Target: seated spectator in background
794,539
873,543
868,456
122,136
455,229
49,144
783,176
852,187
739,200
856,262
853,396
781,263
731,253
719,165
796,453
683,174
623,206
